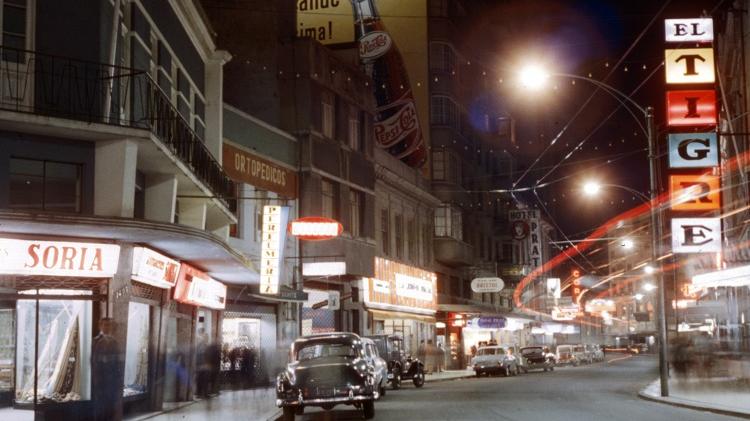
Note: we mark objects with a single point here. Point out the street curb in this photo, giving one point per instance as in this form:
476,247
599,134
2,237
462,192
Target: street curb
465,376
689,405
272,416
162,412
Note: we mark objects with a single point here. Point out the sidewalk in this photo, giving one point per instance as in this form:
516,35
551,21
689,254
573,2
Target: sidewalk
727,396
448,375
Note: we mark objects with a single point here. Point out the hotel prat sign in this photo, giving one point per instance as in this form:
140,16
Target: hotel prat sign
58,258
246,167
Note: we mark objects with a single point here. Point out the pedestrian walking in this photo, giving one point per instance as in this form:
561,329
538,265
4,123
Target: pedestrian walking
106,378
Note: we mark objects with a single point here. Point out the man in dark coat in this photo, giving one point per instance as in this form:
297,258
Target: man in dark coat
106,379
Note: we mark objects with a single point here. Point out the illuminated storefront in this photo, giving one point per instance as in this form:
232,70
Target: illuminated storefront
401,299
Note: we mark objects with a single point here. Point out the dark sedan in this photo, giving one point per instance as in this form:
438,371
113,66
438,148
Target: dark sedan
327,370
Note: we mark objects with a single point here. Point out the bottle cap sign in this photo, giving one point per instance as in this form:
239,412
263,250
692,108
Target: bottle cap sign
374,45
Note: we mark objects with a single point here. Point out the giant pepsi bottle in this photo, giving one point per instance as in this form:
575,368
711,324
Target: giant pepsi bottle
396,122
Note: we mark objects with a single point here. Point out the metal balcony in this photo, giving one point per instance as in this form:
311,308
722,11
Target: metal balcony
453,252
61,87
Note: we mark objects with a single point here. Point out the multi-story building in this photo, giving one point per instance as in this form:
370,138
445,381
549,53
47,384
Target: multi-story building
113,199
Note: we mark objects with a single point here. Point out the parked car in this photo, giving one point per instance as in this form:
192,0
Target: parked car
381,366
327,370
495,359
536,357
579,350
400,366
565,356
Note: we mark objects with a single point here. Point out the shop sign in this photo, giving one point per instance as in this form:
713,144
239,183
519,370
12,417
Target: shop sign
481,285
696,235
197,288
689,30
532,230
315,228
565,313
246,167
689,65
380,286
487,322
334,300
695,192
154,268
693,150
272,244
599,305
411,287
58,258
323,268
287,293
733,277
691,108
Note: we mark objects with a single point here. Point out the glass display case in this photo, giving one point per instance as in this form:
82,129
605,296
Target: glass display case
137,349
53,351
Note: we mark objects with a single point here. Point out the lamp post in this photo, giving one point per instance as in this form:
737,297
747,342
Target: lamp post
535,77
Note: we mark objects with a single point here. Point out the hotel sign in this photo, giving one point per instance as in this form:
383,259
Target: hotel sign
689,30
696,235
693,150
58,258
246,167
695,192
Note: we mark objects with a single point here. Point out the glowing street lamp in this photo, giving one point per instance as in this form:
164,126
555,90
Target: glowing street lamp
533,77
628,244
649,287
649,270
591,188
638,296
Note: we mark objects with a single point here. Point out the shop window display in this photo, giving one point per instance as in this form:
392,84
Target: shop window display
136,353
7,350
53,352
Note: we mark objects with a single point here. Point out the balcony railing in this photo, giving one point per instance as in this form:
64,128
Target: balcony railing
53,86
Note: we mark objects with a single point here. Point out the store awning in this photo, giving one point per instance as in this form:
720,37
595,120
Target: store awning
198,247
380,314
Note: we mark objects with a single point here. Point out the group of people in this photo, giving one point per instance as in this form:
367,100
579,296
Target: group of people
433,357
239,364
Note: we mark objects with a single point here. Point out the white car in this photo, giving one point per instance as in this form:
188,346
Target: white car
381,367
494,359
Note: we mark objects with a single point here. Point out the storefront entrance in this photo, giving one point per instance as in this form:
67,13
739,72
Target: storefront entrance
248,348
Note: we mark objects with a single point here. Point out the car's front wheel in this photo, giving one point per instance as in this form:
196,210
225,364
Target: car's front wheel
396,381
382,388
419,379
289,413
368,410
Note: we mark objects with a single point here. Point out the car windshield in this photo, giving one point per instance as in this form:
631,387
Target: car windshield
491,351
312,350
529,351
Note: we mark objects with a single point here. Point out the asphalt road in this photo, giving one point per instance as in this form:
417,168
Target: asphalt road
601,391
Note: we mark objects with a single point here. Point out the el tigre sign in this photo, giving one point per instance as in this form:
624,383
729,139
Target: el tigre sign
245,167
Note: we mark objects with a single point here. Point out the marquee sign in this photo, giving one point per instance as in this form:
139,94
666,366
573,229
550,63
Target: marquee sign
270,254
695,192
693,150
691,108
696,235
154,268
315,228
689,30
58,258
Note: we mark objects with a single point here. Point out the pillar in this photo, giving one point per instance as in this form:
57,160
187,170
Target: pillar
161,197
114,178
192,212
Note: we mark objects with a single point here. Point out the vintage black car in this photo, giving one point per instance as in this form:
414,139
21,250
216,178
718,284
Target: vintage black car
400,366
535,357
327,370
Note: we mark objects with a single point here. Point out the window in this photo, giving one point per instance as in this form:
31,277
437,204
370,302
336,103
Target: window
438,165
327,117
136,352
443,58
448,222
14,27
354,129
328,199
355,213
399,231
45,185
444,112
384,230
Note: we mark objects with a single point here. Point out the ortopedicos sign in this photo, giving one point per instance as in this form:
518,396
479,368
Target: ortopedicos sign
531,219
197,288
315,228
245,167
693,111
154,268
272,246
58,258
401,287
481,285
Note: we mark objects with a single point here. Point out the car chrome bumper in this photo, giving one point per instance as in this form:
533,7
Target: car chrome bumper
322,401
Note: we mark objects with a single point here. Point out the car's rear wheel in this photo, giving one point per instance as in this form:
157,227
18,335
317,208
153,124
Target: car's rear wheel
368,410
419,379
396,381
478,373
289,413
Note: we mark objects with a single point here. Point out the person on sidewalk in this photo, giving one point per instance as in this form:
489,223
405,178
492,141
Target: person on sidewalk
106,378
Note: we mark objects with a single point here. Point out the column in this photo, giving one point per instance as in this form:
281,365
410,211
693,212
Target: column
192,212
114,178
161,197
215,102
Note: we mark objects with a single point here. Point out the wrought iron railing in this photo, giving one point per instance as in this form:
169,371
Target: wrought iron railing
43,84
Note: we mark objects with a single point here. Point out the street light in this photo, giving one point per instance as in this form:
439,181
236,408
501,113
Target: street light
649,270
649,287
535,77
628,244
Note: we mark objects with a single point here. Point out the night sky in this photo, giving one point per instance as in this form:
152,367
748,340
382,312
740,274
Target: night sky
585,38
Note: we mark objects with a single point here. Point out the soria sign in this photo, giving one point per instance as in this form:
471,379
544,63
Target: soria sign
58,258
